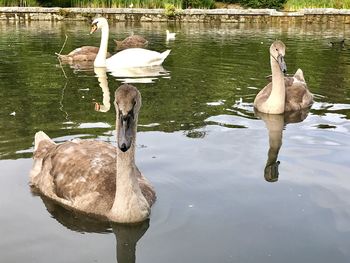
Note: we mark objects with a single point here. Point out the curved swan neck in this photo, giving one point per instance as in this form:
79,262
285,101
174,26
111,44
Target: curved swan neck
129,205
277,97
100,60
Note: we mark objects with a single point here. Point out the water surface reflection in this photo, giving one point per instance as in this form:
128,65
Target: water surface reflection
126,236
199,143
275,124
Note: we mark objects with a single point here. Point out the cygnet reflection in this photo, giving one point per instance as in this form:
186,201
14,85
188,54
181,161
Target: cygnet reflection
275,124
126,235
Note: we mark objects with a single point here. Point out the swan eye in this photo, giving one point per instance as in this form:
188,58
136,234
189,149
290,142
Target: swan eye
276,49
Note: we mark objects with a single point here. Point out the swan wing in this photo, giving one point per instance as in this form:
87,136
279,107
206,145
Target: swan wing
134,41
83,170
84,49
298,96
78,174
136,57
299,75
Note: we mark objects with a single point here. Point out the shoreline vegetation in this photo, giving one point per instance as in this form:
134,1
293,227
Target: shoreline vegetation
283,5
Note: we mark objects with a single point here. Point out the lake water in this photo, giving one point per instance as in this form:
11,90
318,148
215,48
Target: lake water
199,143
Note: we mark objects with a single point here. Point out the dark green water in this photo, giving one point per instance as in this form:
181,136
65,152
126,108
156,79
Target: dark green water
199,143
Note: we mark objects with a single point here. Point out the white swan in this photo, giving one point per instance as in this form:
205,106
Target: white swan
283,94
132,57
170,36
94,177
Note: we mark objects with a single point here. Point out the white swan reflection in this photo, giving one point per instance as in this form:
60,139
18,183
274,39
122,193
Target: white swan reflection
101,75
275,124
139,74
125,75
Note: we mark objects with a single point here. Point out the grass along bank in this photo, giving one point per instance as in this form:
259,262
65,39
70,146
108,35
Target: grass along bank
293,5
179,4
19,3
287,5
124,3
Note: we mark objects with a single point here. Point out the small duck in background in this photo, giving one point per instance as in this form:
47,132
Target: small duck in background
169,35
340,43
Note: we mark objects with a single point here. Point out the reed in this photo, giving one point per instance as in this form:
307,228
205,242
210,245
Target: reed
18,3
293,5
125,3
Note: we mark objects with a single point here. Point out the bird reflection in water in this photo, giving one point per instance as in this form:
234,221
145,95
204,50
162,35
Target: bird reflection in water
125,75
101,75
127,235
140,74
275,124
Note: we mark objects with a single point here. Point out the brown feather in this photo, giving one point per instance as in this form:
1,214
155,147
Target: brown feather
84,53
134,41
297,94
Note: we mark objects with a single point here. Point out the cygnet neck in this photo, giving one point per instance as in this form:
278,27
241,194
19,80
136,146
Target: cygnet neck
277,97
130,205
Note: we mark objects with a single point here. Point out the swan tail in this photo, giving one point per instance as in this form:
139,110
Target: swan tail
42,145
164,55
42,142
158,60
299,75
63,58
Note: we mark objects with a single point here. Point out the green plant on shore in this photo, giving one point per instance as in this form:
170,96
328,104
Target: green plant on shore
198,3
18,3
124,3
277,4
169,10
292,5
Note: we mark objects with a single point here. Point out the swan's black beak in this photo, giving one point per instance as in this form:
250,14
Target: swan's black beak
93,28
125,131
282,63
